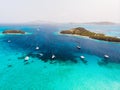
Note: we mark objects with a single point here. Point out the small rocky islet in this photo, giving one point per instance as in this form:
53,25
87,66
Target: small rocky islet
84,32
13,32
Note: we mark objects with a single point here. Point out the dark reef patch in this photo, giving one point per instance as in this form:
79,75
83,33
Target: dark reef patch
9,65
59,56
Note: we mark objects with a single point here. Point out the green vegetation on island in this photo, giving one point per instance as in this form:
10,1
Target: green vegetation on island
84,32
13,32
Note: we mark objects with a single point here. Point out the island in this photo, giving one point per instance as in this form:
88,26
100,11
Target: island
84,32
13,32
101,23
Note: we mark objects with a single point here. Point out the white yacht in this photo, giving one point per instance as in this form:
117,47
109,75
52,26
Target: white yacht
106,56
78,47
82,57
37,48
53,56
26,58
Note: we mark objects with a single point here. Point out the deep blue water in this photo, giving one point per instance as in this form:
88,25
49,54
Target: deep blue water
50,42
61,45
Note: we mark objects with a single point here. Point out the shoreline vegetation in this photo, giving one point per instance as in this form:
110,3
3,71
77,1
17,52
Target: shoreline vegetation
84,32
13,32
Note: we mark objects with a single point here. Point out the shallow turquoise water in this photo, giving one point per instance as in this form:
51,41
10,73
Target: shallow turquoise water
65,74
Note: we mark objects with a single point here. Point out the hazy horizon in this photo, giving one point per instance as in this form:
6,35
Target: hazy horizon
59,11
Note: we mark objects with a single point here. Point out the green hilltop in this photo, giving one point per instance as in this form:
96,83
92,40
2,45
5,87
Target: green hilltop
84,32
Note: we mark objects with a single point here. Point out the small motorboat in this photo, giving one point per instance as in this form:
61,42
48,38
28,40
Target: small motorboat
53,56
9,41
106,56
82,57
41,54
37,48
104,60
78,47
26,58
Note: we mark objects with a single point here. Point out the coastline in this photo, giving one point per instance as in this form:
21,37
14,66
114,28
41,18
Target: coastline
85,37
79,36
80,31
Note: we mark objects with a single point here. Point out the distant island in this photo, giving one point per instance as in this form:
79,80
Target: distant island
84,32
102,23
13,32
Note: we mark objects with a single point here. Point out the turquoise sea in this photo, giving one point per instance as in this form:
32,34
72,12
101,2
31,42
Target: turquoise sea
66,71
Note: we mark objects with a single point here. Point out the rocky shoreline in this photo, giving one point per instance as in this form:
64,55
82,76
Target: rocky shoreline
84,32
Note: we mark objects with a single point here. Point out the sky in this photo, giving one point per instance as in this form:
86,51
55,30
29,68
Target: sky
18,11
